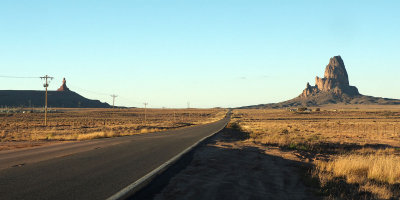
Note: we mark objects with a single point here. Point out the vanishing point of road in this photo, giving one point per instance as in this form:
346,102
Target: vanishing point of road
94,169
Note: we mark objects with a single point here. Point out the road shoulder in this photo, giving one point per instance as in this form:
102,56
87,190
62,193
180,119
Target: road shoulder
228,167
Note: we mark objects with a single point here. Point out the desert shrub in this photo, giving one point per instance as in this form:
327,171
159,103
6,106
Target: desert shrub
235,126
302,109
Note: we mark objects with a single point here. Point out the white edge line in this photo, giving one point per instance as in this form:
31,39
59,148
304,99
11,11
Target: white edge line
145,180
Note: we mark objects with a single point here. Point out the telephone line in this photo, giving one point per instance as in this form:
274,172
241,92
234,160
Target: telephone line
78,88
103,94
2,76
93,92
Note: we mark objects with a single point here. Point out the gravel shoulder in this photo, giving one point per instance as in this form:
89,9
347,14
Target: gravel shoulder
228,167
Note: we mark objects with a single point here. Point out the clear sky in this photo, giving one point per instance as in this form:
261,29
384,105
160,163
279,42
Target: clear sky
208,52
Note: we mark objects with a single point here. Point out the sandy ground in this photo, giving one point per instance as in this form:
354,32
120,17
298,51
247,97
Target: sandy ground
227,167
25,144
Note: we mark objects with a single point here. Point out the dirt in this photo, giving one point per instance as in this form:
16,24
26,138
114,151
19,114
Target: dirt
228,167
10,145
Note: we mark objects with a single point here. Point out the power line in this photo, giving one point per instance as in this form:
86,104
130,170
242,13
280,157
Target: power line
2,76
130,100
102,94
99,93
90,91
73,86
47,80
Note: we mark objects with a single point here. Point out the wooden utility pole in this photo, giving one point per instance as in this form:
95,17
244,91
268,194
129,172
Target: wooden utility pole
46,84
114,96
145,114
188,107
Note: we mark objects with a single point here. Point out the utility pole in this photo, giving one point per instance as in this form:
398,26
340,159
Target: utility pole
188,107
46,84
145,117
114,96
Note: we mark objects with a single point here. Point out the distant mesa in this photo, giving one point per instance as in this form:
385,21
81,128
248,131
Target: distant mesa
63,87
63,97
333,88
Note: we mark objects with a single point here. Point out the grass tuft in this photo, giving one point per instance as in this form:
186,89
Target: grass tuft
96,135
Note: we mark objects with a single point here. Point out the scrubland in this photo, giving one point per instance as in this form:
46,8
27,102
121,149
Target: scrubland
19,130
354,153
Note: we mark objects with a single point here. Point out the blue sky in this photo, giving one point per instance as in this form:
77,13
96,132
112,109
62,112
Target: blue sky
210,53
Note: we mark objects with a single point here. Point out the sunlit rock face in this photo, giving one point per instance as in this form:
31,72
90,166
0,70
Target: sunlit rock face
63,87
335,81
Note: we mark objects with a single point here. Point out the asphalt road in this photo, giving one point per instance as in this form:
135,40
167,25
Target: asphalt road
94,169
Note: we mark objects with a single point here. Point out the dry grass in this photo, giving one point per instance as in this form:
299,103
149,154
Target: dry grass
83,124
356,151
375,173
96,135
344,127
362,168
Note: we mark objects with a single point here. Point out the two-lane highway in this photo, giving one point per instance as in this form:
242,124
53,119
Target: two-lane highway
94,169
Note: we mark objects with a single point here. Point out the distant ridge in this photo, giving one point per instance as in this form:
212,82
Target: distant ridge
62,98
334,88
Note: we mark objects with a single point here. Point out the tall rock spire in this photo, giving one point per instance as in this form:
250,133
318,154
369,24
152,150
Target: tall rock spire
63,87
336,70
335,80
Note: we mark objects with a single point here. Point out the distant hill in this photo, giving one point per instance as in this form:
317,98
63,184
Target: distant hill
63,97
66,99
334,88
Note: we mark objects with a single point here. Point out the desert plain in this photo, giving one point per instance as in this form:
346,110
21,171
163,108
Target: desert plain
330,152
27,129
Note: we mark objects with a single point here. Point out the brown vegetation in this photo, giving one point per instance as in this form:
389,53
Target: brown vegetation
355,152
375,173
83,124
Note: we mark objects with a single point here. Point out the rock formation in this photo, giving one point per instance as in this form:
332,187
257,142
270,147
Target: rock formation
56,99
335,81
63,87
334,88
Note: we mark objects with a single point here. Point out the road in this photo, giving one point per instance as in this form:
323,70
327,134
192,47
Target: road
93,169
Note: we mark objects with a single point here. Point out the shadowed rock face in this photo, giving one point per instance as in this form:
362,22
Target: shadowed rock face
335,81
